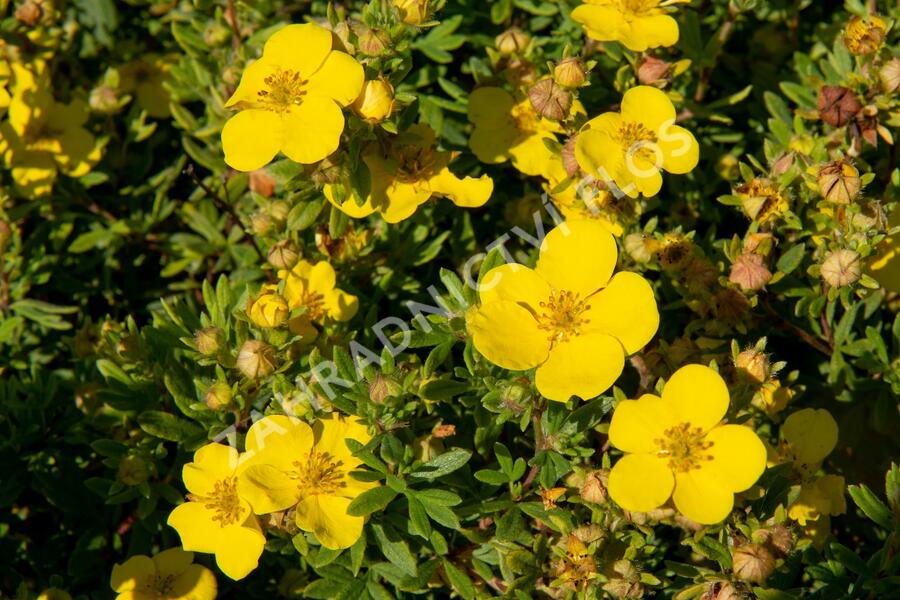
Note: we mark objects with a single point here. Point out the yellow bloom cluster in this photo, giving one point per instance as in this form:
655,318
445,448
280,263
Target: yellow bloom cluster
169,575
287,466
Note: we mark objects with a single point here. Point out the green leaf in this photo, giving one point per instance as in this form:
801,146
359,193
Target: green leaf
443,464
872,507
791,258
168,427
458,580
371,501
394,549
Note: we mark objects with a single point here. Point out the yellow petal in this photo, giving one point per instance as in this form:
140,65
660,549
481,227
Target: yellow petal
322,278
812,434
681,153
698,396
490,107
349,206
302,48
268,489
326,517
597,150
252,82
507,335
312,130
195,526
640,482
340,78
251,139
601,23
648,105
400,200
585,366
637,423
577,256
531,156
467,192
650,32
212,463
239,550
172,562
132,573
515,283
196,583
341,306
331,434
738,456
278,440
699,496
492,146
625,309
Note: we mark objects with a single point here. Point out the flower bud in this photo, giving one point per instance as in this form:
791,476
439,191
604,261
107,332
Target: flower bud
216,34
570,73
279,210
371,42
839,182
550,100
29,13
749,272
890,75
262,183
103,100
754,364
269,309
375,102
218,396
780,539
412,12
837,105
261,223
865,35
133,471
782,164
208,340
511,41
653,71
841,267
283,255
256,359
752,563
772,397
594,487
383,387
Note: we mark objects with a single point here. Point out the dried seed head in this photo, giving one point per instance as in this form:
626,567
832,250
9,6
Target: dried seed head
754,364
570,164
653,71
208,340
841,267
262,183
511,41
256,359
753,563
570,73
550,100
749,272
839,182
890,75
594,487
865,35
371,42
283,255
837,105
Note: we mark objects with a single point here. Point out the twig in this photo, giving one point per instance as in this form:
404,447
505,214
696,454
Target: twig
539,442
799,332
231,17
190,172
722,37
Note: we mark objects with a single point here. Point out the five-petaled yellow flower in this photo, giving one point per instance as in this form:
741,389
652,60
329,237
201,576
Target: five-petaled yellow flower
569,316
637,24
630,147
169,575
507,129
217,518
676,446
809,436
144,77
291,100
313,288
293,465
407,173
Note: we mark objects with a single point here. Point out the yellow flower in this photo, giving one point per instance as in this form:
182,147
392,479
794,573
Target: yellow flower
406,174
290,100
507,129
269,309
412,12
4,80
313,287
772,397
676,446
169,575
145,78
375,102
217,518
630,147
637,24
569,316
865,35
823,496
586,200
42,137
308,468
885,268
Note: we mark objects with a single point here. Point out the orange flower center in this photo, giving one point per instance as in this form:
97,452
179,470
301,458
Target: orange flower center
314,303
224,500
320,474
284,89
562,315
685,446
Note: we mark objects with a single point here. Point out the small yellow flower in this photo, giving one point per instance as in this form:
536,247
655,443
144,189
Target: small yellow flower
865,35
772,397
637,24
375,102
42,137
569,316
290,100
170,575
145,78
269,309
313,287
293,465
762,200
510,129
217,518
822,496
677,446
406,174
412,12
630,147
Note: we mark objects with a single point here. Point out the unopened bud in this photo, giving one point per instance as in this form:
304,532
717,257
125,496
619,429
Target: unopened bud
754,364
375,102
371,42
839,182
511,41
890,75
218,396
133,471
256,359
261,223
865,35
550,100
570,73
412,12
753,563
29,13
279,211
283,255
653,71
841,267
749,272
594,487
383,387
269,309
782,164
103,100
837,105
216,34
208,340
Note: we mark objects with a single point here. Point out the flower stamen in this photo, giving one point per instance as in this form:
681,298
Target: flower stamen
285,89
684,446
562,315
320,474
224,500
